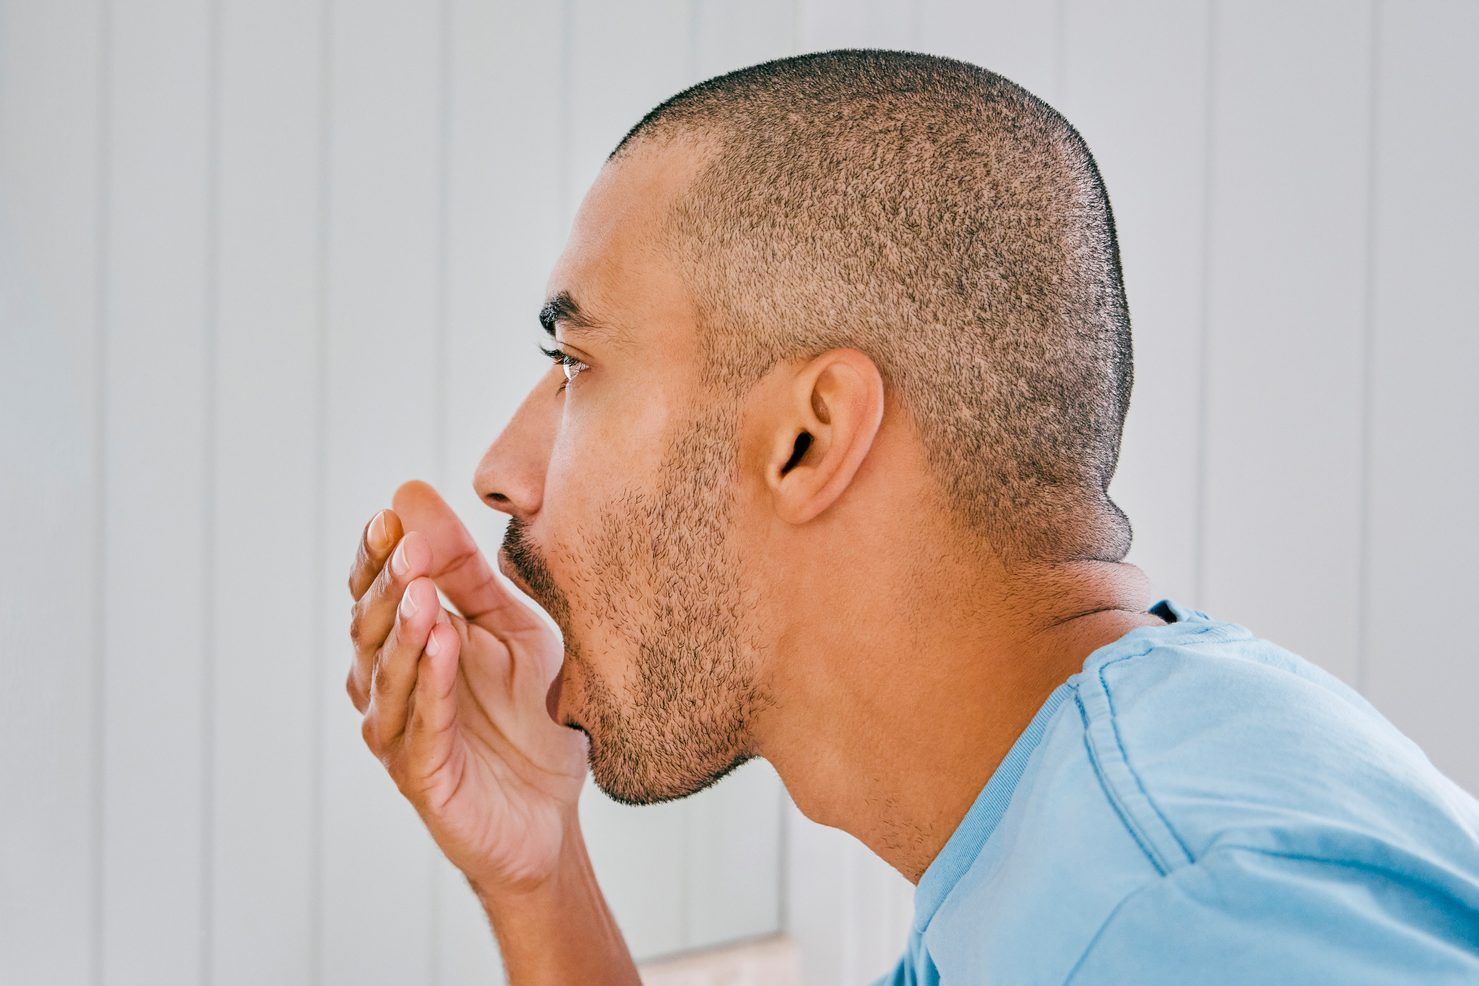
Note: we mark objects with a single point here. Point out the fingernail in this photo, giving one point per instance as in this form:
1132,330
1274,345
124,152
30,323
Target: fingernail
408,605
432,647
398,564
379,536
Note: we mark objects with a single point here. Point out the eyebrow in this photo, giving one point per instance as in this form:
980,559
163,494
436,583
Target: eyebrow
561,307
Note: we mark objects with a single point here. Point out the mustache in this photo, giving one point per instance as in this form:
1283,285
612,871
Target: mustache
526,560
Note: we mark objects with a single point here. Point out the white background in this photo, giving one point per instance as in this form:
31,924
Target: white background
261,260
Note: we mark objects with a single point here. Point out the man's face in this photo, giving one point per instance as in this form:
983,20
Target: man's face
622,486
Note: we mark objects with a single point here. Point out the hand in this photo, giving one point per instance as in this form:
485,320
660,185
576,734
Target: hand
454,702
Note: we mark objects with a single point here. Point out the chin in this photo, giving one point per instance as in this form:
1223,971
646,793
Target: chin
626,789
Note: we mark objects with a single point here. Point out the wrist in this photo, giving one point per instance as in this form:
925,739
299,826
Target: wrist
560,929
503,891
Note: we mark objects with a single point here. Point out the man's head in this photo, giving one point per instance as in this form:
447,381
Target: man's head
803,293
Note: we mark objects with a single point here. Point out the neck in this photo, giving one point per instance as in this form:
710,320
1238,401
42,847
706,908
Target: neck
892,716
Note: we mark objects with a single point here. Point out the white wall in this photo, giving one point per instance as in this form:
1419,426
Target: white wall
261,260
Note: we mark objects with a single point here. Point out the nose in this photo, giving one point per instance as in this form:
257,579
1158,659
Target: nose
510,475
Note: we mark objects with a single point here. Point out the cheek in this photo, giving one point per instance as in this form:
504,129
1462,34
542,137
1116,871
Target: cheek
599,664
608,441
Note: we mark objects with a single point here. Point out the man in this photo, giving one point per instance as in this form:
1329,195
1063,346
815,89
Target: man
820,476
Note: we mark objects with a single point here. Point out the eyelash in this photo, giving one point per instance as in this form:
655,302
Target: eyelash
562,358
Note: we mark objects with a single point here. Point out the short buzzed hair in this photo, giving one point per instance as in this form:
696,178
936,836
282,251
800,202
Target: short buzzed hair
946,222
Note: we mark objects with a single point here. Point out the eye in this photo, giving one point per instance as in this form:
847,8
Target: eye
570,363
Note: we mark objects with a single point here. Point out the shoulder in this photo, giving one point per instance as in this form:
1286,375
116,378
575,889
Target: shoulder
1240,915
1291,826
1197,790
1209,734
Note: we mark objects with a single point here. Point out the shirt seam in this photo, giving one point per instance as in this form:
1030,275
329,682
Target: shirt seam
1125,755
1119,811
1158,881
1130,817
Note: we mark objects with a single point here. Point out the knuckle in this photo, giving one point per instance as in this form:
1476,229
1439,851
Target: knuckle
359,634
357,568
399,776
367,732
379,588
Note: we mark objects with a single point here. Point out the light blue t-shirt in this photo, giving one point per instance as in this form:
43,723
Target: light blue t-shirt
1199,805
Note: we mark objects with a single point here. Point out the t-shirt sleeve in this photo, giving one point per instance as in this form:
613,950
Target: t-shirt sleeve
1240,915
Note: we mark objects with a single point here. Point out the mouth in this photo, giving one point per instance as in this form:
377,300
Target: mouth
552,704
552,699
556,687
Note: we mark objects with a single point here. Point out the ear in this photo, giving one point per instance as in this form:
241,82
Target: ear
832,412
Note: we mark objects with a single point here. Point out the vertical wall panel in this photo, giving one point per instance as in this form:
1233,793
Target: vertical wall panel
637,854
733,857
1148,133
848,910
51,115
1019,39
636,851
156,722
817,884
1286,315
504,201
827,24
615,78
732,831
1423,521
503,232
265,706
383,406
727,36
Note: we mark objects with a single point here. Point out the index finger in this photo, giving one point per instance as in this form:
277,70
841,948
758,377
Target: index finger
375,544
459,567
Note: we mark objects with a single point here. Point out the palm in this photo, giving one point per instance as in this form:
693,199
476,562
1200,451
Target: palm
508,776
496,787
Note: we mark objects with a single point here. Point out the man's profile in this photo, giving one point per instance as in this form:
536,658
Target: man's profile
820,475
